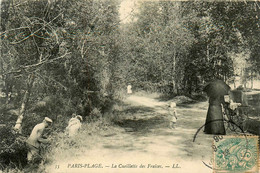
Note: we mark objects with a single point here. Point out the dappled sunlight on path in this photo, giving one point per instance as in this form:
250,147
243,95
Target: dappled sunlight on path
147,139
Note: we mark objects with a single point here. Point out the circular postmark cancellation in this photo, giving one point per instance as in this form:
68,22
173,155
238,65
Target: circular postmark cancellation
234,152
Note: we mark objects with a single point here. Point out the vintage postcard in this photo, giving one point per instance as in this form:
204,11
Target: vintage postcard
126,86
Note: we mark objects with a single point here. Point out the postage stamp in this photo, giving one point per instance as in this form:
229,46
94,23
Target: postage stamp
236,154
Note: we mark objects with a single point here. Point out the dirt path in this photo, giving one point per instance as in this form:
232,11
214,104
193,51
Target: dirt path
146,139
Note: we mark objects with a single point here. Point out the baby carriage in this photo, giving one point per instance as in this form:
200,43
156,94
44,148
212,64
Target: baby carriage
235,111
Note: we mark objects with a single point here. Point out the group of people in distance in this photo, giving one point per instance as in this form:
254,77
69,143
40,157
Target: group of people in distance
36,137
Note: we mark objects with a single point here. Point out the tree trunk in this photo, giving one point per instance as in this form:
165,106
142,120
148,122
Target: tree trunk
252,80
174,89
18,124
207,52
8,85
5,4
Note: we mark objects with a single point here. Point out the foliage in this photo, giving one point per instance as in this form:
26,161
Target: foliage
176,47
160,41
60,57
67,51
13,150
62,53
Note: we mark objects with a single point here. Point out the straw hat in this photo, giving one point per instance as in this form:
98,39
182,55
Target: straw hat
47,120
79,117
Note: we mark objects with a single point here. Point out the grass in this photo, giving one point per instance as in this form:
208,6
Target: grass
94,132
63,148
91,133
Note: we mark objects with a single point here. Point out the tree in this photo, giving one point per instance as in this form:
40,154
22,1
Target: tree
220,28
158,42
66,50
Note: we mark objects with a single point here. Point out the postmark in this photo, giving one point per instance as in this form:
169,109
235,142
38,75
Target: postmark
236,154
211,139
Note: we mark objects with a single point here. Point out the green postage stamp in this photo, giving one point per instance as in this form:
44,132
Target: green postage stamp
236,154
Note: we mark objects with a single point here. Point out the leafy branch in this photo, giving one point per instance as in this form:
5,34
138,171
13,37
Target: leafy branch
32,34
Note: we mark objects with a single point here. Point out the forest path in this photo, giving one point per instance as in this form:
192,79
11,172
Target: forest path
145,138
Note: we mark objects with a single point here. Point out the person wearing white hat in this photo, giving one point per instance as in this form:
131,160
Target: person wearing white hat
74,125
36,139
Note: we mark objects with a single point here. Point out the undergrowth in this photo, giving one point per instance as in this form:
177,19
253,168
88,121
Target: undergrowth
62,148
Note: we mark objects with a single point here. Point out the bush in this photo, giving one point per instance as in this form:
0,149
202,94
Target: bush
13,150
29,121
95,114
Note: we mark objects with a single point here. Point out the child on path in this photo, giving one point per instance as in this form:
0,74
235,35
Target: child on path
173,114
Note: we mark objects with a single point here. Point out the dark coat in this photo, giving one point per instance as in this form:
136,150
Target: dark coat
214,121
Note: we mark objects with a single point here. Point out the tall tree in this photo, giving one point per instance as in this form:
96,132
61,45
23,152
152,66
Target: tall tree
65,47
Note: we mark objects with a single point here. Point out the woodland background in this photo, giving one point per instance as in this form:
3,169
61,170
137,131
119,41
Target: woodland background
60,57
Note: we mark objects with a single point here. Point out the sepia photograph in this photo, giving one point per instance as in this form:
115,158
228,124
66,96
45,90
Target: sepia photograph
129,86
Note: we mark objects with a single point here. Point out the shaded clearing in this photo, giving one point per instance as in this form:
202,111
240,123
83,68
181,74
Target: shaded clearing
144,125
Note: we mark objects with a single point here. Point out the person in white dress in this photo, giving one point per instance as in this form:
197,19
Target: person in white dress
129,89
173,114
74,125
